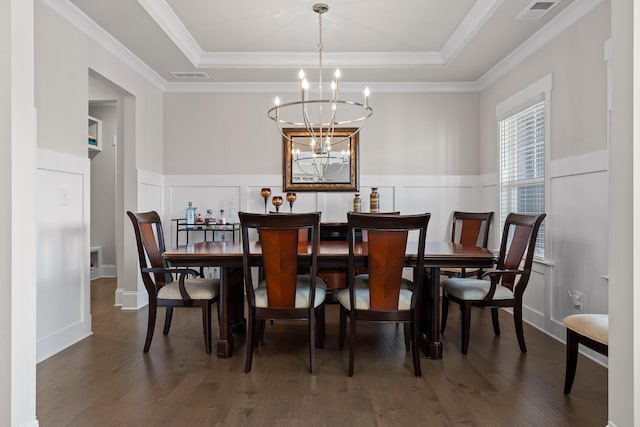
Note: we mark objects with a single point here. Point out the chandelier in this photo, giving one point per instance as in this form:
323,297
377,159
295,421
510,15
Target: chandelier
321,118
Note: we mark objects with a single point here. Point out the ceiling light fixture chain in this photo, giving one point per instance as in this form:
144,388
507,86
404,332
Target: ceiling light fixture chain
313,156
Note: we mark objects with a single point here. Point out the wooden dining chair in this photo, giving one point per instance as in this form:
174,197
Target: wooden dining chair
469,229
506,284
160,283
285,295
381,297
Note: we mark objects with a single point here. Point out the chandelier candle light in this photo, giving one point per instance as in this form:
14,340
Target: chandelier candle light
320,118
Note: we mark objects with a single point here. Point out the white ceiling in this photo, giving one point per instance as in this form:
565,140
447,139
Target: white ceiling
378,42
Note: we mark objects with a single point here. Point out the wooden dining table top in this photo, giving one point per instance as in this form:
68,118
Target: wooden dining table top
437,253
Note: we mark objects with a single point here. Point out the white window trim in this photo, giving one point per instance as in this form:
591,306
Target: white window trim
535,92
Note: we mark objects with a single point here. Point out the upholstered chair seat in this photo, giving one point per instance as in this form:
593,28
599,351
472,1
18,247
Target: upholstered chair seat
302,296
198,288
474,289
362,281
363,299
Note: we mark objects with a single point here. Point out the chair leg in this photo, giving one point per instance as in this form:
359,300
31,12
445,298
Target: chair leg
352,341
407,337
261,326
517,319
465,309
312,340
445,311
167,320
151,324
206,325
250,338
572,360
495,320
320,326
343,328
415,350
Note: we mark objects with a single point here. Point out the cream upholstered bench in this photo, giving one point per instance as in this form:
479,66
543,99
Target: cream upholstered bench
591,330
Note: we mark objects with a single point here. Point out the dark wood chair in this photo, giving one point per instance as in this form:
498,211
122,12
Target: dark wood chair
285,294
469,229
506,283
590,330
159,280
381,297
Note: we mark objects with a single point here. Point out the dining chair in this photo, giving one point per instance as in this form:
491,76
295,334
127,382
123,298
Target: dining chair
285,294
506,284
469,229
381,296
590,330
158,279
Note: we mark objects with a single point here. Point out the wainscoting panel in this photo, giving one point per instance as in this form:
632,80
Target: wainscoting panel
63,260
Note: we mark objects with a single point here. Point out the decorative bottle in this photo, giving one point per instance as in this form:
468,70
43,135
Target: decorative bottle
374,201
209,219
357,203
191,215
222,219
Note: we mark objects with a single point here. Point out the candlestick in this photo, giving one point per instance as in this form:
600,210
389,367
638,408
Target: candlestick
266,193
291,197
277,201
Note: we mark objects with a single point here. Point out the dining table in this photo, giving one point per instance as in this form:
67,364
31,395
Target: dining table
227,256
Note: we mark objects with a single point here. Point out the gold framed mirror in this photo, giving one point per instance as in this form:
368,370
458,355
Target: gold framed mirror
309,168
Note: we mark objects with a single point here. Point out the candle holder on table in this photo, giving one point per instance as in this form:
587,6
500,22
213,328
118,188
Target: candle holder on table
277,202
266,193
291,197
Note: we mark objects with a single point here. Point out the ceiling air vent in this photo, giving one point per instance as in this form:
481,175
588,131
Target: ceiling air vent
537,9
190,75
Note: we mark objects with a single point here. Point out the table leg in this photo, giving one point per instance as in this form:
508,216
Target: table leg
430,319
231,309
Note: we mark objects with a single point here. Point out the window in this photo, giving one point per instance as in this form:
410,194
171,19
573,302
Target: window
522,165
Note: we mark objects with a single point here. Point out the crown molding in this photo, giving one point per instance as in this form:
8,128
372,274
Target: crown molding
351,87
86,25
566,18
165,17
480,12
259,60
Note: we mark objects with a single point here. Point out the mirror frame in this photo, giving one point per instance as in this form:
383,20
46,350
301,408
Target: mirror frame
287,170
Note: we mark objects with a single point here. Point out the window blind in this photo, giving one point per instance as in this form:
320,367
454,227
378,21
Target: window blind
522,166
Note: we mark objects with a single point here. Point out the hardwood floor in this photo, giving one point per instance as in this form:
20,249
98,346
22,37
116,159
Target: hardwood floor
106,380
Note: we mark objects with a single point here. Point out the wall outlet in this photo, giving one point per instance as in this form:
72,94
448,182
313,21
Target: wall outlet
577,298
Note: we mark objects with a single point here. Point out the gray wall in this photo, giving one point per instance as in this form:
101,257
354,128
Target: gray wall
409,133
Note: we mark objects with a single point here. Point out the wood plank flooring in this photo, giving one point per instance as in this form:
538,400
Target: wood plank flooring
106,380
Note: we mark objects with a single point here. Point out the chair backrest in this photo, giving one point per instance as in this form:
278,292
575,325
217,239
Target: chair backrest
517,248
471,228
282,254
150,240
386,249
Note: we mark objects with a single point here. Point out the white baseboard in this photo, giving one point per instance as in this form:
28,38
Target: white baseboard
118,297
62,339
104,271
